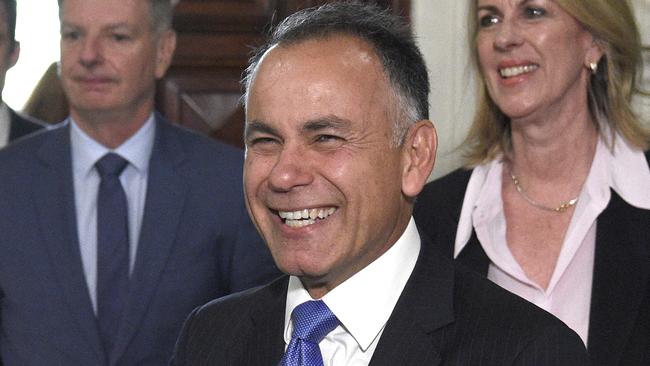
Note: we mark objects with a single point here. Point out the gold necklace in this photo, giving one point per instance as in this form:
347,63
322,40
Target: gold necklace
565,205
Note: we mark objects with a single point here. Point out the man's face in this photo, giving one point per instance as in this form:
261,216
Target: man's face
323,183
8,56
111,55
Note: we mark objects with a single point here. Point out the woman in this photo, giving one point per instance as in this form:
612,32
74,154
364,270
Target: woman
557,206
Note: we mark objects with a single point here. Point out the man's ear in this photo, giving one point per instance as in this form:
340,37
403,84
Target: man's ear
165,51
419,154
13,56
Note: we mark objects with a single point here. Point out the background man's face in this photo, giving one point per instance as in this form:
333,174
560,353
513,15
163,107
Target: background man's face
319,125
110,55
8,56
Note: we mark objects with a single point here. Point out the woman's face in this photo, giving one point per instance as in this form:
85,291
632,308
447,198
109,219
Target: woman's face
533,56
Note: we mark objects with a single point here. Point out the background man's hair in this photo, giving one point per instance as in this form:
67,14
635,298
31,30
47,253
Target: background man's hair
390,37
162,14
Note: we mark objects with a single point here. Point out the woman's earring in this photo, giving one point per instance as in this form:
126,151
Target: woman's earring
593,66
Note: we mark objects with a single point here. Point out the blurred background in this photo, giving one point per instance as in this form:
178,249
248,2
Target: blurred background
202,91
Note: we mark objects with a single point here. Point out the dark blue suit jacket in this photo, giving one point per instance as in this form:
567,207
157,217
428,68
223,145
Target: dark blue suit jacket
197,243
20,125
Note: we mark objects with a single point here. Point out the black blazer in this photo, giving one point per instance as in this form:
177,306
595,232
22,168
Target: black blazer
445,316
21,125
619,322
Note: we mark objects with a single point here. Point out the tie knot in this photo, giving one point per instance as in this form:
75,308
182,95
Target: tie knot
312,321
111,164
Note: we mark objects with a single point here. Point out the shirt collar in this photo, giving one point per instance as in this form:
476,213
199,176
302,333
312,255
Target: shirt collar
365,301
623,169
479,188
136,150
629,173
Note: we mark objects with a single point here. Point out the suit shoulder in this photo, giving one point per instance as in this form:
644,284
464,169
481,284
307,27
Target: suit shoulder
240,303
438,207
25,148
497,319
440,189
197,143
27,123
502,311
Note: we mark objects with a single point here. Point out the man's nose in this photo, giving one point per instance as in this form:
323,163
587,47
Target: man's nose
292,169
91,52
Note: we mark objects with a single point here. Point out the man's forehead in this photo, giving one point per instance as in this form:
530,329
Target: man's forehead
339,62
346,49
104,12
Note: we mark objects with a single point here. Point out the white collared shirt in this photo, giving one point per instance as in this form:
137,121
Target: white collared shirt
85,153
363,303
568,295
5,125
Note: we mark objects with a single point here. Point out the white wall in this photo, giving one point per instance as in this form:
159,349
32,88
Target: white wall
37,30
441,30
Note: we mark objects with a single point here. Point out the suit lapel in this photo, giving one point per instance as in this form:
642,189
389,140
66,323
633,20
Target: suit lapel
621,274
163,207
473,256
267,319
57,214
425,306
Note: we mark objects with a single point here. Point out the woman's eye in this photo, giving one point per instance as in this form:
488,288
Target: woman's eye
488,20
534,12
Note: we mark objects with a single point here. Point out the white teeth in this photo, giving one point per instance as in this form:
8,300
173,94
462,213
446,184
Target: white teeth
300,223
517,70
305,216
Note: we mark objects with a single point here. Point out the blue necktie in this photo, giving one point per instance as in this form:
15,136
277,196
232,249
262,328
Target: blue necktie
112,248
312,321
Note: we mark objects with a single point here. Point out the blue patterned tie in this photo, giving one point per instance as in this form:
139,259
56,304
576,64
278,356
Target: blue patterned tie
112,248
312,320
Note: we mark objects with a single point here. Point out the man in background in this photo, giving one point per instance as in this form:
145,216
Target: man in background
12,124
116,223
338,146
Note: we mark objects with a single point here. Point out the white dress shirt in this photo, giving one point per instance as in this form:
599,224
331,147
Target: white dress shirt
5,125
363,303
568,296
85,153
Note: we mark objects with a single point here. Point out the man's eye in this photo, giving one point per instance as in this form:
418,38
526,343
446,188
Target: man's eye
488,20
327,138
261,141
119,37
70,35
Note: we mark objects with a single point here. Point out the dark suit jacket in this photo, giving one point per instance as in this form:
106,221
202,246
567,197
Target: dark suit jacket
445,316
619,322
197,243
20,125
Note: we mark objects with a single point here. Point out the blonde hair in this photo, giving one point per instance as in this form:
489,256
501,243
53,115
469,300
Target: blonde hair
610,89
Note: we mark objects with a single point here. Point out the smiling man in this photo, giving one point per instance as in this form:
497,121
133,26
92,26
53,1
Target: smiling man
116,223
338,147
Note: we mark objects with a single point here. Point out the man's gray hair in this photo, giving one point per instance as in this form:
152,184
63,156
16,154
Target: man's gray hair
391,38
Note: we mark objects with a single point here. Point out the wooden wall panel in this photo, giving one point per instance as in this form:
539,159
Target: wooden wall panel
215,38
